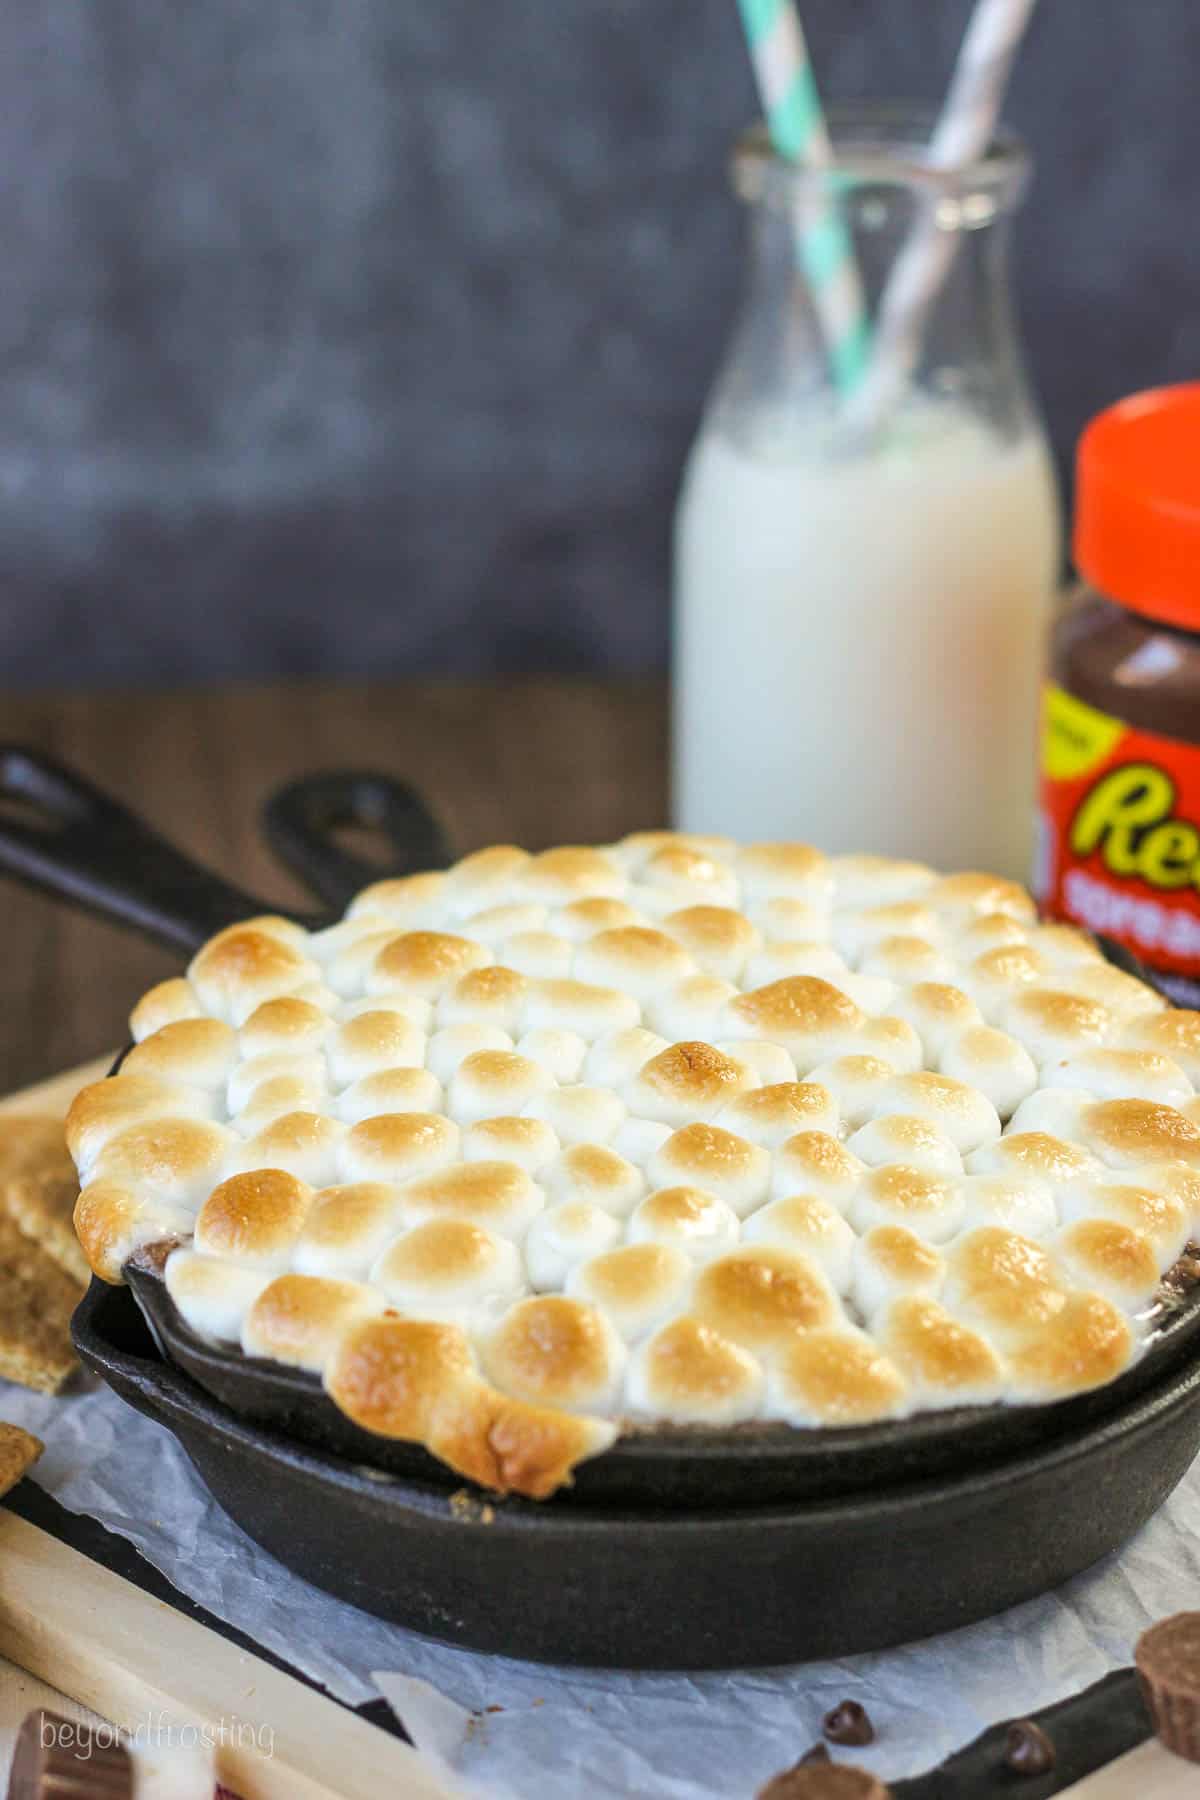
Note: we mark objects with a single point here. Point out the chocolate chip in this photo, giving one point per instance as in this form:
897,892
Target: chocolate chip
818,1753
1027,1749
848,1724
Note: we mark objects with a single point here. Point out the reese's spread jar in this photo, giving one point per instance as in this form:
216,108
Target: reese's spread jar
1119,848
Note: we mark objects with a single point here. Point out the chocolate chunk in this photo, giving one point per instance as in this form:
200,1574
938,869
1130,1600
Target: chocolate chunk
1027,1749
823,1781
818,1753
60,1759
1168,1666
848,1724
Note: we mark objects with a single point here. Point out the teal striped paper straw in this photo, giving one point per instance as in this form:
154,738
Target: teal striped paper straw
796,125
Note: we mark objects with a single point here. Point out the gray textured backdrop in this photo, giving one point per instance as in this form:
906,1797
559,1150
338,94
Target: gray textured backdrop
370,334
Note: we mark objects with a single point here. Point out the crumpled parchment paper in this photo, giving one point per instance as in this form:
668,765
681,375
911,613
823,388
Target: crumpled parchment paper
568,1732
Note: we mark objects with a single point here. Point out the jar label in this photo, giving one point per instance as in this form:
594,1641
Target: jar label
1119,837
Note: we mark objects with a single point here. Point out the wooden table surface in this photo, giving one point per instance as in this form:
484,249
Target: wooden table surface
537,761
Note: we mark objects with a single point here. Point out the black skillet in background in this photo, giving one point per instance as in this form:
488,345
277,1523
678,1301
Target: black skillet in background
1081,1463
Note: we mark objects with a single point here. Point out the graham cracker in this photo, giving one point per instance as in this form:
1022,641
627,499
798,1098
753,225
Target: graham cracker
37,1299
39,1186
19,1450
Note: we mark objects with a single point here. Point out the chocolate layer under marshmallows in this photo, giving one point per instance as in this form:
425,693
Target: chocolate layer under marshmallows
674,1130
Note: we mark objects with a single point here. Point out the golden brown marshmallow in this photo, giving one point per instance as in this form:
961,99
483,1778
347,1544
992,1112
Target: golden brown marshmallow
240,968
398,1146
771,1115
636,1285
597,1174
492,995
634,958
113,1222
1086,1343
288,1025
254,1218
105,1108
689,1373
198,1052
718,938
497,1195
691,1081
555,1351
176,1158
834,1377
424,963
400,899
345,1228
945,1362
687,1218
448,1269
300,1319
760,1296
1126,1132
508,1138
708,1157
812,1227
390,1091
163,1005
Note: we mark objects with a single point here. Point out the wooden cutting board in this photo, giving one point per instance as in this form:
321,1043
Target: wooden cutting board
127,1656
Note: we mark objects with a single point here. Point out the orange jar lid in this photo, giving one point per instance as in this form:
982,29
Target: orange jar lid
1137,504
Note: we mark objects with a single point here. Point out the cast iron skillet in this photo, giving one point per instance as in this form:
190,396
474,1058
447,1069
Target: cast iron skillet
91,850
646,1587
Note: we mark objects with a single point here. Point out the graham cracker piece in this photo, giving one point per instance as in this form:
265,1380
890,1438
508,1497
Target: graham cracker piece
37,1299
19,1450
39,1186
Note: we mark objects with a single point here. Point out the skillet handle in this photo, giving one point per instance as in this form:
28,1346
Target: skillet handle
301,820
72,840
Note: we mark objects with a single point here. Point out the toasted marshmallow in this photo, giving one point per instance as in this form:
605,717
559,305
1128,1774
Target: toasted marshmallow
760,1296
489,1082
1035,1154
636,1285
113,1222
538,955
617,1056
450,1270
448,1048
634,852
872,994
240,968
308,1068
893,1040
780,957
719,1161
929,1204
1158,1202
678,876
530,1143
213,1294
635,958
687,1218
301,1319
579,1114
254,1218
598,1175
379,1039
578,1006
175,1159
962,897
556,1351
907,959
789,871
1123,1074
937,1012
877,880
837,1377
852,1084
909,1139
492,995
809,1225
582,920
197,1052
944,1361
889,1261
163,1005
693,1008
1052,1023
1064,947
990,931
424,963
1109,1258
993,1062
814,1162
770,1062
1051,1112
718,939
1124,995
561,1053
571,872
1174,1033
689,1373
390,1091
305,1144
771,1115
810,1017
998,975
289,1026
277,1096
484,878
354,955
638,1139
564,1235
345,1228
104,1109
401,899
1003,1284
397,1146
1020,1202
1087,1342
1124,1133
500,1196
857,931
690,1081
790,921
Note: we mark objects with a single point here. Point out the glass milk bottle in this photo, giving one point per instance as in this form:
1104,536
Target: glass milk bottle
860,610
